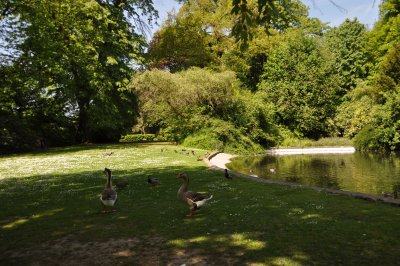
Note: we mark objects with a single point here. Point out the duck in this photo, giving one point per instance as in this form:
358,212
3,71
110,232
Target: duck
393,194
272,170
227,175
153,180
121,184
109,195
193,199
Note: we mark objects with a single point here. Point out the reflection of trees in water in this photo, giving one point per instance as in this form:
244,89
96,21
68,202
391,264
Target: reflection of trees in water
368,173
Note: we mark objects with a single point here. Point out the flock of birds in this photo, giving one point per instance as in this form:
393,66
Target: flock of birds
194,200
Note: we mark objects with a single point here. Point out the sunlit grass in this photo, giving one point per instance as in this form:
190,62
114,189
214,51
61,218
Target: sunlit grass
51,209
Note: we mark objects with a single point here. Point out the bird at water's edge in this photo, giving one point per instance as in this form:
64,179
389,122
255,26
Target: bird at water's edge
193,199
227,175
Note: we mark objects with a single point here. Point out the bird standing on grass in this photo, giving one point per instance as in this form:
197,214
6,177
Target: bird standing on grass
153,180
227,175
109,195
193,199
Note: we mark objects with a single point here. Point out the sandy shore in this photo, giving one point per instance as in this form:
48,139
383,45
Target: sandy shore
222,159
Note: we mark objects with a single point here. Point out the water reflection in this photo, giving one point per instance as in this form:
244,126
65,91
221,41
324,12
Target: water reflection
367,173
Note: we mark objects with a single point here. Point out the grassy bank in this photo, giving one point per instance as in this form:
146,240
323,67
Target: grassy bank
50,206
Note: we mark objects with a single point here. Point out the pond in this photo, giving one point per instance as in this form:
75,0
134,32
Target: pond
357,172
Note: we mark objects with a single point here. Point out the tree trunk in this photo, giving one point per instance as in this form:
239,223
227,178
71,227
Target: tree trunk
83,121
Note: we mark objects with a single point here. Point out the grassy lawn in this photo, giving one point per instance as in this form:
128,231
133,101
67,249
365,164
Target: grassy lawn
50,215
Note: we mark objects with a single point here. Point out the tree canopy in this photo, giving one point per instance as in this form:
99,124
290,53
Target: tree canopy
80,56
82,71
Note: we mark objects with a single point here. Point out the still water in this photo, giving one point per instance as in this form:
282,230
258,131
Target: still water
358,172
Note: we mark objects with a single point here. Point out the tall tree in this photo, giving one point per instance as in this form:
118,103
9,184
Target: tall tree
197,35
80,53
349,43
301,81
386,31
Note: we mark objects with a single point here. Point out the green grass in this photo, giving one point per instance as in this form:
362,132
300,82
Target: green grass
49,214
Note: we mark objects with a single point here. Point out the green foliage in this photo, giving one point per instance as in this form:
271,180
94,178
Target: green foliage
222,136
138,138
357,111
348,43
300,80
370,139
144,138
194,37
386,31
75,59
379,107
267,13
187,102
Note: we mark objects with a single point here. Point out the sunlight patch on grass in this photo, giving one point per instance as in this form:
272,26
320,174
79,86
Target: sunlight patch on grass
296,211
242,240
15,223
289,261
125,253
180,243
198,239
24,220
311,216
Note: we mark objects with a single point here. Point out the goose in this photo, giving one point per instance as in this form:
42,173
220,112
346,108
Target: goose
227,175
153,180
193,199
109,195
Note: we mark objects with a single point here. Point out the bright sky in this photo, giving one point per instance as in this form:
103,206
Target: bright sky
366,11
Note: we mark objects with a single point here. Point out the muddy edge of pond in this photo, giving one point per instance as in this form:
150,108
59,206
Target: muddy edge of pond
219,165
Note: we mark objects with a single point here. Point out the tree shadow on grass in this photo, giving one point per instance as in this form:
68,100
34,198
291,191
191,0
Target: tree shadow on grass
46,218
103,148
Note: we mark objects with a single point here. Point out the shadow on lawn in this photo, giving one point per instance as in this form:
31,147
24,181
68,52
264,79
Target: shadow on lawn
87,147
47,218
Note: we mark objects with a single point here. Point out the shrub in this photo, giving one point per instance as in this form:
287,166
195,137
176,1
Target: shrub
138,138
147,138
369,138
222,136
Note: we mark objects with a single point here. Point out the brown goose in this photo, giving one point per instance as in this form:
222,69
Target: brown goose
109,195
193,199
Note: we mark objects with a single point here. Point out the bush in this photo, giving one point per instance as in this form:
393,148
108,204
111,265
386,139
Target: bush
369,139
138,138
205,140
146,138
222,136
